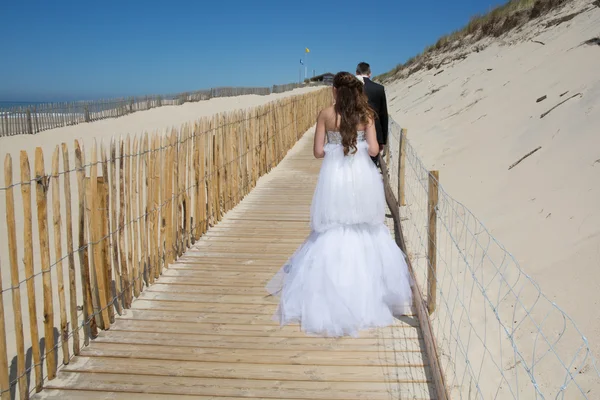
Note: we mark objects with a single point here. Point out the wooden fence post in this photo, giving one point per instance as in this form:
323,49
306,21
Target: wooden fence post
71,255
14,275
4,379
103,212
54,183
42,183
29,123
434,177
90,325
402,168
95,224
28,263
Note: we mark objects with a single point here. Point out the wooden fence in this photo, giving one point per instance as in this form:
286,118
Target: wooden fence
105,223
37,118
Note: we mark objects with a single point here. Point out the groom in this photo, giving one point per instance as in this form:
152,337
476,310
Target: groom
377,100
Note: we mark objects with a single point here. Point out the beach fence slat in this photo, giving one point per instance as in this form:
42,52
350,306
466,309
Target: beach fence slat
154,207
90,325
122,249
150,209
14,276
196,178
202,176
162,197
41,186
103,225
177,200
70,251
4,374
188,187
165,241
95,224
167,214
29,268
156,185
143,205
128,220
91,205
114,228
57,222
135,219
104,188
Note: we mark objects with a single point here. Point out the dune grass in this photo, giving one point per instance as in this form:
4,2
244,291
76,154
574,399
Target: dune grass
497,22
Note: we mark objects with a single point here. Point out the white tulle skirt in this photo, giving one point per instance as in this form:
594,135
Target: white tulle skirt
349,274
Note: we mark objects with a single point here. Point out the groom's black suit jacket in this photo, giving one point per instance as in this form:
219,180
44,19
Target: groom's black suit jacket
376,94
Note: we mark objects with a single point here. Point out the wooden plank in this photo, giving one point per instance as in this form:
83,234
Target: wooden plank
70,251
29,268
102,395
238,324
15,283
250,356
57,222
185,316
148,332
218,388
251,371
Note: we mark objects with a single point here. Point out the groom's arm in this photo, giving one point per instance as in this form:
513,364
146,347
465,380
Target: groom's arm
383,116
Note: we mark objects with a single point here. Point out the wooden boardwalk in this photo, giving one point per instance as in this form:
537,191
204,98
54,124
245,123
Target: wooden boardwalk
204,330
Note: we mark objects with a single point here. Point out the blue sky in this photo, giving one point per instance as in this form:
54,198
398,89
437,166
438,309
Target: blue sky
63,50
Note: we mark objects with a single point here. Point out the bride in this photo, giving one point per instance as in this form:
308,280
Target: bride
349,274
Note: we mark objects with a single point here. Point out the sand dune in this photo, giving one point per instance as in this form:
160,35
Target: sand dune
473,118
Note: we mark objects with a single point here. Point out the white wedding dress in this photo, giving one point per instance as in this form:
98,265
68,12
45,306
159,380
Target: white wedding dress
349,274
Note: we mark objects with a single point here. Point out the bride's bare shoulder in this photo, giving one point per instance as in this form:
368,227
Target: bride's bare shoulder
327,113
327,117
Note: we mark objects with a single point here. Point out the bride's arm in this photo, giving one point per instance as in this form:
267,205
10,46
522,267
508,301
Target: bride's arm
319,144
371,136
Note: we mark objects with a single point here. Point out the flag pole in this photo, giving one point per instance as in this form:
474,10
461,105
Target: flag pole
305,64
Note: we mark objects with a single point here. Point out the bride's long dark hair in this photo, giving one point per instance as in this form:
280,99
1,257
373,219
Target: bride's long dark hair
352,105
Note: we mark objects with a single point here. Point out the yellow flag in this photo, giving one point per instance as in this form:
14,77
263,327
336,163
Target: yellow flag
307,50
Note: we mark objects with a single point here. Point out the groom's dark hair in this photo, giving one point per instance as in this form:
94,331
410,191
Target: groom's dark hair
363,69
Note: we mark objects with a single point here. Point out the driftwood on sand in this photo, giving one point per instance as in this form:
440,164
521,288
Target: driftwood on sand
562,102
522,158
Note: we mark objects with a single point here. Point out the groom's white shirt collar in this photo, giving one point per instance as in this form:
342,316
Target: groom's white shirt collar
362,78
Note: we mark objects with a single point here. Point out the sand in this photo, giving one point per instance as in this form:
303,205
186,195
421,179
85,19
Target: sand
473,118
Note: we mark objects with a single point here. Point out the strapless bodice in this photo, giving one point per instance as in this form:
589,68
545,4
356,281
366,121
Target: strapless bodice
334,137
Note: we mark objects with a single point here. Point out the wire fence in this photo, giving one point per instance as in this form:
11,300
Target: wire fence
498,336
31,119
104,227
